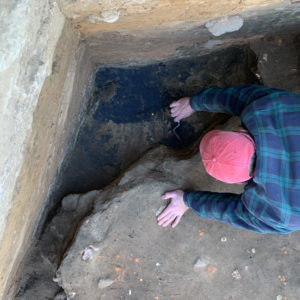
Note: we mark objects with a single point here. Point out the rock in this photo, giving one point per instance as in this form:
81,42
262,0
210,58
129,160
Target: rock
61,296
103,283
224,24
70,202
87,253
236,275
200,263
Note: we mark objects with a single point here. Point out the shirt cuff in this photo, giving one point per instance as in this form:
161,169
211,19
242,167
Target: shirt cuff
188,198
192,198
194,100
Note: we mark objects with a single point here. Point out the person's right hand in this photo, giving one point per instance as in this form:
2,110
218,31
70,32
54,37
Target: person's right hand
181,109
174,211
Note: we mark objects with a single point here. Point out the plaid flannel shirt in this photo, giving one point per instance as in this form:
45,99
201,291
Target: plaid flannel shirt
270,202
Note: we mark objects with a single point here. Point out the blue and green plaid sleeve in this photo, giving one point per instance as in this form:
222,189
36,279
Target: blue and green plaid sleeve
231,100
227,208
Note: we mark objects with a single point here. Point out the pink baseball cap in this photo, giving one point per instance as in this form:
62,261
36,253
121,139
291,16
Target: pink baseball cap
226,155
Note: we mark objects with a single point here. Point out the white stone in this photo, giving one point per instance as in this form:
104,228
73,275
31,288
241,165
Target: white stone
200,263
236,275
106,16
103,283
223,25
223,239
110,16
265,57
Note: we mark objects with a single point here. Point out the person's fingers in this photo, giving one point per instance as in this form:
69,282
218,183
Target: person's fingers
175,113
176,221
174,104
168,221
176,108
169,195
164,214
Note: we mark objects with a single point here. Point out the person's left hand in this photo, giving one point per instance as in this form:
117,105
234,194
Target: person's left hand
174,211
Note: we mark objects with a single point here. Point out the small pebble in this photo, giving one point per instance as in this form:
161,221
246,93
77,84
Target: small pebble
246,268
253,250
236,274
265,57
224,239
200,263
71,295
157,264
61,296
279,297
87,254
129,292
103,283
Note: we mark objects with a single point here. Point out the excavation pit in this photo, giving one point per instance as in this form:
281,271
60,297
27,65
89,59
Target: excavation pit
123,82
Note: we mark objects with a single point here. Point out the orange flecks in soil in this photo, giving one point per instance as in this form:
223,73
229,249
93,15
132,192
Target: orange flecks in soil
137,260
118,256
201,233
281,278
134,273
123,272
156,298
117,269
285,252
212,270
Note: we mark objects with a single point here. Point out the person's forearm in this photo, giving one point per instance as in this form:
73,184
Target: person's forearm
225,207
231,100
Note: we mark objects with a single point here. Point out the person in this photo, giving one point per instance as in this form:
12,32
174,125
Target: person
266,156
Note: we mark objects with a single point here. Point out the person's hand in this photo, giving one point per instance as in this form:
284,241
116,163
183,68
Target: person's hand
181,109
174,211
